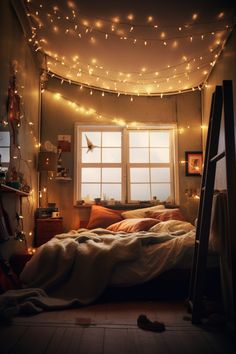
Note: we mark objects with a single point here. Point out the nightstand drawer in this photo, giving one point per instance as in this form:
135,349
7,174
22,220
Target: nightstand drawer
46,229
49,226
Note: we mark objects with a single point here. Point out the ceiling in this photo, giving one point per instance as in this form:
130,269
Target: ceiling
130,47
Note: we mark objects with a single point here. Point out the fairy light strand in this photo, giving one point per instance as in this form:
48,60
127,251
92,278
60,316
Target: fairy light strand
73,23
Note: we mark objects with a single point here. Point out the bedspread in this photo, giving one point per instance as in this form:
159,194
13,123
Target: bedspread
80,264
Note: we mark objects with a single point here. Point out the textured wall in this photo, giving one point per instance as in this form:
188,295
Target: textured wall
14,49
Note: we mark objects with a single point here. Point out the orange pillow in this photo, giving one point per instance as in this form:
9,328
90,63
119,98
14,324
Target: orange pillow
103,217
133,225
164,215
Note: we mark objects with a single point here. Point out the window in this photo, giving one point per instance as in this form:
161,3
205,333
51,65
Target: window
124,164
4,150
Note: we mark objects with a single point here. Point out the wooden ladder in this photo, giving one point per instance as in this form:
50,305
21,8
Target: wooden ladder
222,95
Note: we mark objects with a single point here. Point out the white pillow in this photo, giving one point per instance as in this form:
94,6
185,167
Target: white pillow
172,226
140,213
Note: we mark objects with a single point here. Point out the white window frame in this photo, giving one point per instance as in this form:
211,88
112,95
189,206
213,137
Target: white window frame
125,180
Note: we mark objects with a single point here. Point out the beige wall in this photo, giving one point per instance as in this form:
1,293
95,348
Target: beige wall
58,117
14,48
225,69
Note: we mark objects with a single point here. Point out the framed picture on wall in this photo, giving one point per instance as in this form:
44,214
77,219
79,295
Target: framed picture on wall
193,163
64,143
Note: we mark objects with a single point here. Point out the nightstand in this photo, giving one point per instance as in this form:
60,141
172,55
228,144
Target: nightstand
45,229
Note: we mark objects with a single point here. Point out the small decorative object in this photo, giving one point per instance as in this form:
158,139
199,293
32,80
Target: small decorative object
97,201
48,146
26,188
51,205
61,171
19,233
111,201
13,179
90,144
155,201
193,163
80,202
55,214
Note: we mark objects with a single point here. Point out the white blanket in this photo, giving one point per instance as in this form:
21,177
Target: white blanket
80,264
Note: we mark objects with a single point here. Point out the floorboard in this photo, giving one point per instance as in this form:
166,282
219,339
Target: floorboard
111,328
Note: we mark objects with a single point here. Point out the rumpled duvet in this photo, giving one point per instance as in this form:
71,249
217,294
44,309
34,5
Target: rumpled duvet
81,264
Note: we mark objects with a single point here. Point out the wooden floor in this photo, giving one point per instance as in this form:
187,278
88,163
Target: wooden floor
112,328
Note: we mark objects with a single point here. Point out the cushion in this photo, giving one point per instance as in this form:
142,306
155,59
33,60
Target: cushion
166,214
103,217
172,226
140,213
133,225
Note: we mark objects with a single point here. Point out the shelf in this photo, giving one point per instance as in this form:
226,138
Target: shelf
121,206
8,189
64,179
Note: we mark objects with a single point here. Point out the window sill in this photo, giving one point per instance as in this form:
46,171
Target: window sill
117,206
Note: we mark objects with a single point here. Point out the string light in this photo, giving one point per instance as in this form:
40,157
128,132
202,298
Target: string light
169,36
108,90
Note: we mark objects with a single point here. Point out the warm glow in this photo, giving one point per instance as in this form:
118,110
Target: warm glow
57,96
168,39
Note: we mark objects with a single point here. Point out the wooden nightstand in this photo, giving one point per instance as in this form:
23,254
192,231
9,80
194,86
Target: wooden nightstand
45,229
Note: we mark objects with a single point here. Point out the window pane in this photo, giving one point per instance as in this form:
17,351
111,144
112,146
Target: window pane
91,156
111,175
158,155
90,191
138,155
161,190
111,155
140,191
111,139
138,139
159,139
160,174
5,154
94,137
139,175
4,139
91,175
111,191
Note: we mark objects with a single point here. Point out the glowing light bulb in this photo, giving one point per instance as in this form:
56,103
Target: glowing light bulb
116,19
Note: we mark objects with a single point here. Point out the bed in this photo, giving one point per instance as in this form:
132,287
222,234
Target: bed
118,249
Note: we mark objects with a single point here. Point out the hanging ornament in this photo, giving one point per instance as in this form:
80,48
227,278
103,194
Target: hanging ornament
90,144
13,108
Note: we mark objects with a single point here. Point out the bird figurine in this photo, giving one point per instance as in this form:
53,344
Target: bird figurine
90,144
